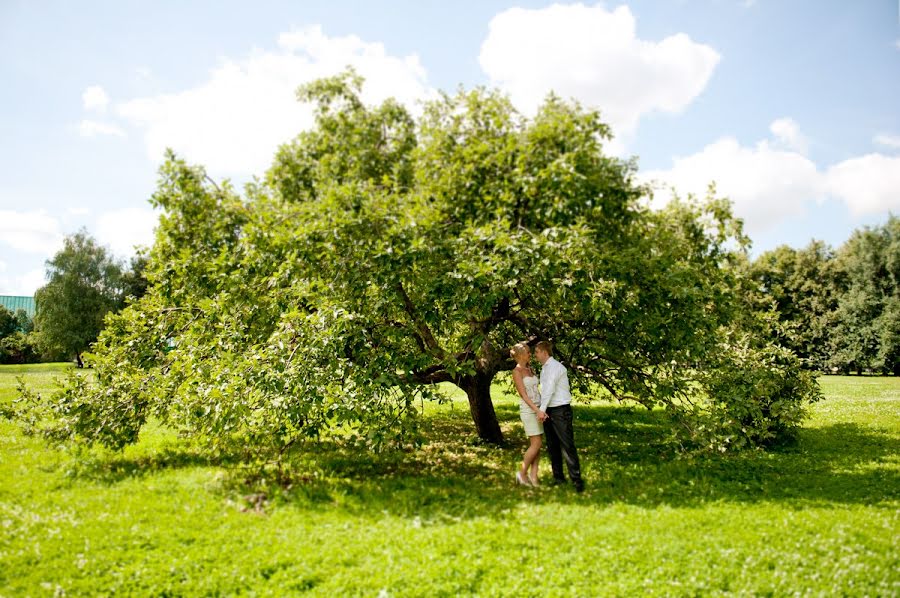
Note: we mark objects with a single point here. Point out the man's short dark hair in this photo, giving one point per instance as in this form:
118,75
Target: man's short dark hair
544,346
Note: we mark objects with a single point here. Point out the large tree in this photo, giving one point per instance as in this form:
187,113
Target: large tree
382,254
867,331
84,283
803,286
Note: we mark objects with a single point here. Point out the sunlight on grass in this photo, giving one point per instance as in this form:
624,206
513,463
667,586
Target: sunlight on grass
447,519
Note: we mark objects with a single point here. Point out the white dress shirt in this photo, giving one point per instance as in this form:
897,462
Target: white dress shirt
554,385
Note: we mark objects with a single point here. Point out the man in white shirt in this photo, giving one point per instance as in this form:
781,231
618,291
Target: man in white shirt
555,411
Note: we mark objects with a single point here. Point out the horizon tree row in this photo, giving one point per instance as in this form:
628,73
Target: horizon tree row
839,310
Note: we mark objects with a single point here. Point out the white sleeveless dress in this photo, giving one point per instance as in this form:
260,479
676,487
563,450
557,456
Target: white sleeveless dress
533,427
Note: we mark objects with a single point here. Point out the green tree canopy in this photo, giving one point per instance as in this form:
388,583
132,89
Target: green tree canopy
803,287
84,283
867,331
17,344
24,322
9,322
383,253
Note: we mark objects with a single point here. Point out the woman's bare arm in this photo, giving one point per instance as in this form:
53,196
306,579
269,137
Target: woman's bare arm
518,378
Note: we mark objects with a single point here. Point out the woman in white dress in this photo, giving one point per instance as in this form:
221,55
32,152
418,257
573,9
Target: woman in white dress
527,385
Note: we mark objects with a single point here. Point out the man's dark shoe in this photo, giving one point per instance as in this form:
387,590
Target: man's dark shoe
579,486
557,481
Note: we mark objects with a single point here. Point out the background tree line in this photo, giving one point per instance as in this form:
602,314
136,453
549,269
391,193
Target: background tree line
84,283
838,310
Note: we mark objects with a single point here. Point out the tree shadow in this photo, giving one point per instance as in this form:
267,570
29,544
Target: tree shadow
627,457
110,467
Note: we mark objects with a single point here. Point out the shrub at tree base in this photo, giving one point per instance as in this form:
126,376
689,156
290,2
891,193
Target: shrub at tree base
383,254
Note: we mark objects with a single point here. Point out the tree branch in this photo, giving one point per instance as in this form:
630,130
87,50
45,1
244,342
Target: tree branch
499,313
430,375
599,377
528,328
421,327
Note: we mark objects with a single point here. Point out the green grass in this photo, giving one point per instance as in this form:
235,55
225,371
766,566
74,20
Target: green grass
446,519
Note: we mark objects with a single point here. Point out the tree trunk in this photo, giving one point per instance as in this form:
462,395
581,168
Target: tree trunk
478,389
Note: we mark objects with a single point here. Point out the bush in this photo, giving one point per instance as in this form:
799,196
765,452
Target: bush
19,347
756,392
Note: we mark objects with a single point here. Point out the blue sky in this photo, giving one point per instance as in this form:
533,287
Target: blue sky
793,108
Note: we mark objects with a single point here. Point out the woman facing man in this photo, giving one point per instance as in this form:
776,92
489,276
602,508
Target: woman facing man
550,404
529,407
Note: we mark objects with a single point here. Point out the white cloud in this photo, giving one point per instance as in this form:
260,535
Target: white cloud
122,229
868,184
788,134
31,232
92,128
233,122
29,282
95,98
593,55
766,184
78,211
891,141
769,184
23,285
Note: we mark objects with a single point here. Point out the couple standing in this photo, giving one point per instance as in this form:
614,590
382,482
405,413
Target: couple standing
547,410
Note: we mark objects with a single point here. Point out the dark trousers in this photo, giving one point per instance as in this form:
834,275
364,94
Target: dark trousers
561,443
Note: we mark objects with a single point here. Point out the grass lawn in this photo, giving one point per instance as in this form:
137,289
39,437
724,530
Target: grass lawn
818,518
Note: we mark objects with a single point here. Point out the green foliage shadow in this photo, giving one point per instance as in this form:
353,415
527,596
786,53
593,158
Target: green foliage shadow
111,467
626,456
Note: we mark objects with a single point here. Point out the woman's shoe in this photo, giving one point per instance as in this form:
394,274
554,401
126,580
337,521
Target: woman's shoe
534,481
521,480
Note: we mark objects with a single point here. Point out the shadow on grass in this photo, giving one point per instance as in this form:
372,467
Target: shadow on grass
626,458
111,467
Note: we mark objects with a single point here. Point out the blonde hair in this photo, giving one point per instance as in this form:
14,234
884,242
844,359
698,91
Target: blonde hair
545,346
518,349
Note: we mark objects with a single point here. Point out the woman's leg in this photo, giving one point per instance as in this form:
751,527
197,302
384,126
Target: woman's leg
536,444
534,448
535,440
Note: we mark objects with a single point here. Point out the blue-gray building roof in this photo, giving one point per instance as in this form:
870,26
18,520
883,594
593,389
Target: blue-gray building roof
14,302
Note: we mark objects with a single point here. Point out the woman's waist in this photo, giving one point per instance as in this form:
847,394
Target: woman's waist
523,406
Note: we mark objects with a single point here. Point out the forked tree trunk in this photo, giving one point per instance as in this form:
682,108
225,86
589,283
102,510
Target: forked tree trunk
478,390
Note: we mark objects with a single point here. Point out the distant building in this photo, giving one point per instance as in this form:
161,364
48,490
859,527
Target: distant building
14,302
